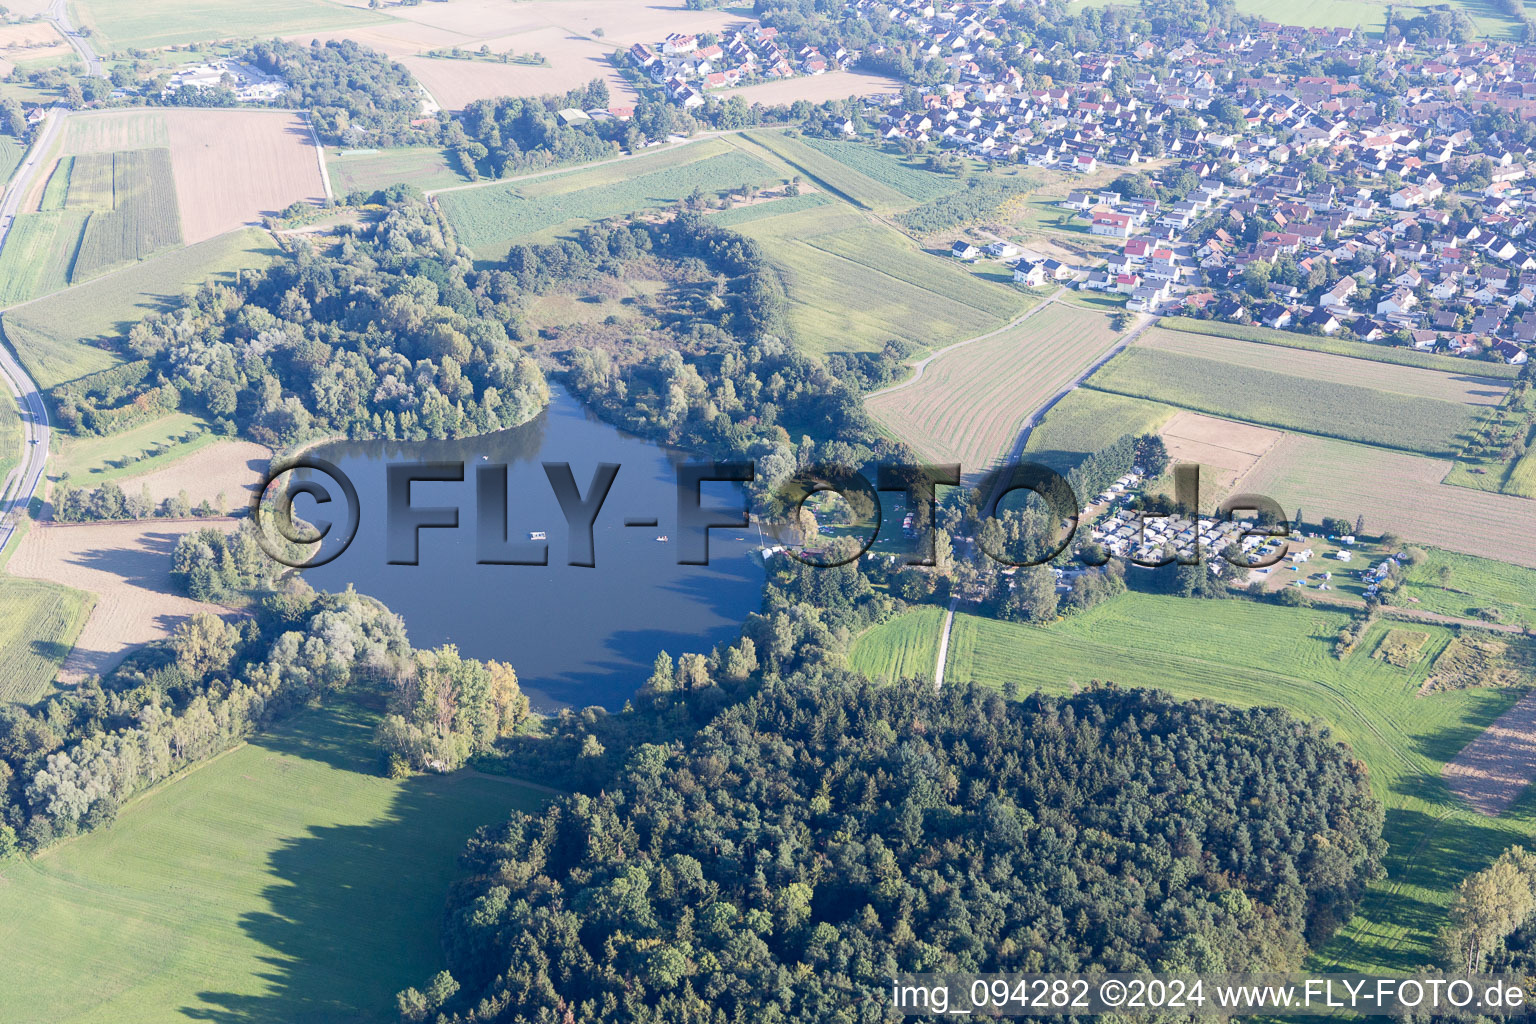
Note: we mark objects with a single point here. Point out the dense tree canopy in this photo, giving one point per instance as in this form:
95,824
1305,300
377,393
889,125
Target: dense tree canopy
813,841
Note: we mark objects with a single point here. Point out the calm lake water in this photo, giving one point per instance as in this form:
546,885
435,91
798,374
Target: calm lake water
576,636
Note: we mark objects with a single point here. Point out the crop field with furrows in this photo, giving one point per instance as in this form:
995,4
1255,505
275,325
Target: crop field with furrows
1341,347
1344,411
423,166
38,625
902,648
1251,653
1469,587
846,297
826,172
911,181
142,219
489,219
970,403
90,181
1396,493
1466,387
38,254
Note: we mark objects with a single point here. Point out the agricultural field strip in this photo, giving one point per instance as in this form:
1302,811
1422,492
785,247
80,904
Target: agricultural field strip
486,218
969,405
915,184
1320,366
1346,411
1395,492
1341,347
919,270
831,174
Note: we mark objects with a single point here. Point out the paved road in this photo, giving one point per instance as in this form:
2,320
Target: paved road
34,449
60,18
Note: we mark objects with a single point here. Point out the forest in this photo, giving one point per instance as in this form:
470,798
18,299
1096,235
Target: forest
394,336
814,840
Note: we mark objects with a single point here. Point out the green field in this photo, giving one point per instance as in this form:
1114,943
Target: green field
371,170
55,192
140,219
910,180
1367,15
1459,585
905,647
129,24
38,254
1341,347
1242,652
489,219
739,215
1087,421
11,153
91,461
10,437
834,175
65,336
1424,425
38,625
285,881
88,180
854,284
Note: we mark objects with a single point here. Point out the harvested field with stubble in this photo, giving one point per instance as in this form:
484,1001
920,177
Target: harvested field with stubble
1224,449
1494,769
230,166
128,567
1321,366
969,404
234,469
1396,492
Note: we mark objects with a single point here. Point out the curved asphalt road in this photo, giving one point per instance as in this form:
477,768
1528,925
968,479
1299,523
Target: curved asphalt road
60,18
34,448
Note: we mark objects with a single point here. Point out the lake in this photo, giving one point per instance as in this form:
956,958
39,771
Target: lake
576,636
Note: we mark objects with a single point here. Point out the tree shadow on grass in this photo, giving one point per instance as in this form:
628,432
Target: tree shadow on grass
355,910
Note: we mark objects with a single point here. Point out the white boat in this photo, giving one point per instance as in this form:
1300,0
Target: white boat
663,537
536,535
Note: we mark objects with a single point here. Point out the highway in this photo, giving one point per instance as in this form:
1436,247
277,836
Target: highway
34,415
60,18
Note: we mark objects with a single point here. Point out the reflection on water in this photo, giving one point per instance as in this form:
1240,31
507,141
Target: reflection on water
576,636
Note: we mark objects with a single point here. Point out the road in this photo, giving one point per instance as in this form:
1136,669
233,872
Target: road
60,18
34,447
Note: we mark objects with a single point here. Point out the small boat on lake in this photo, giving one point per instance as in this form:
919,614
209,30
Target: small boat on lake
536,535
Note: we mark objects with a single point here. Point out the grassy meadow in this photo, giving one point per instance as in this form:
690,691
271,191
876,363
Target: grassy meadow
370,170
38,625
1246,653
39,253
905,647
1087,421
285,881
92,461
71,334
488,219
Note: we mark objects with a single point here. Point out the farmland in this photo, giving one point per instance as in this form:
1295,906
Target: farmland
489,219
91,461
1522,476
834,85
1341,347
905,647
226,893
1333,369
38,254
970,403
1396,492
853,285
139,219
69,335
127,24
370,170
911,181
1248,653
1224,450
38,625
1284,400
736,216
10,436
1088,421
827,172
128,567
